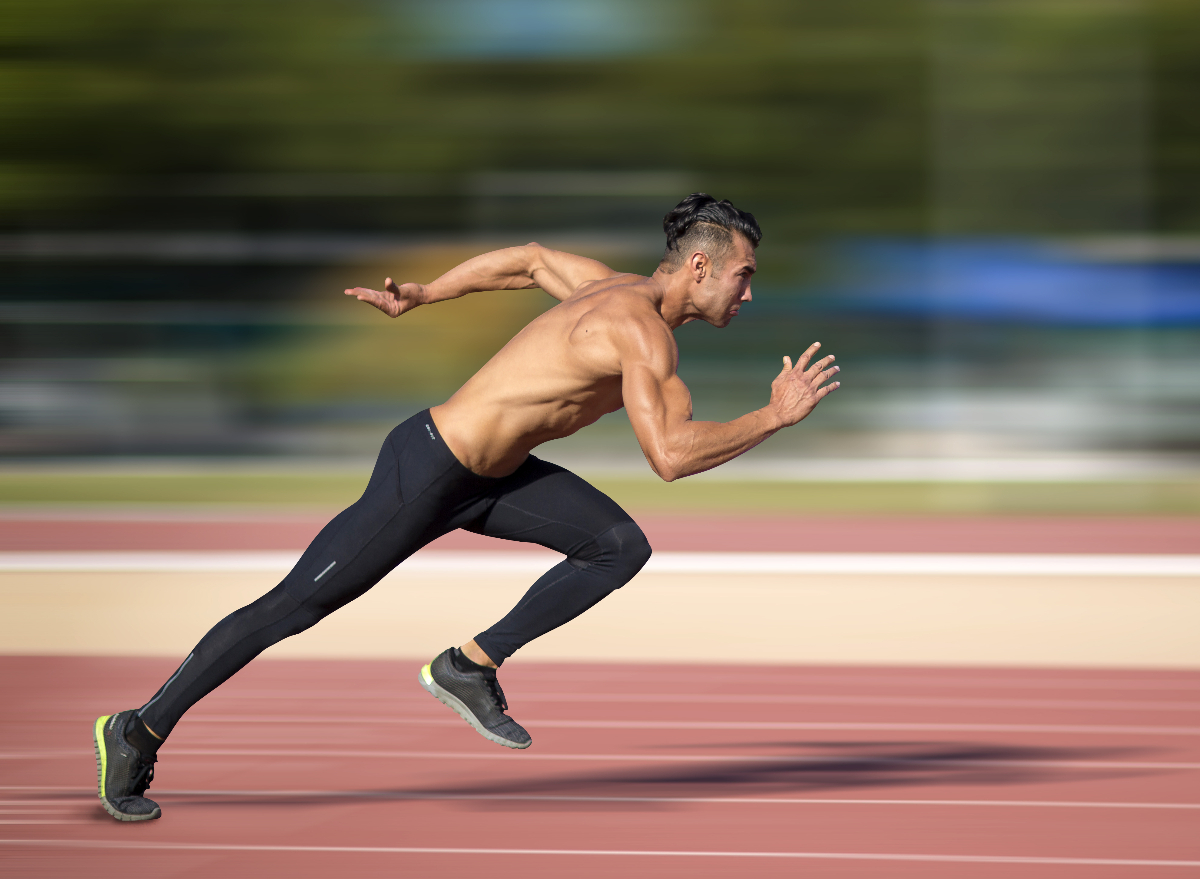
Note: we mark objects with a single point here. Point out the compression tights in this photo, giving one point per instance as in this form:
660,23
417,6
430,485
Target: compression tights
417,492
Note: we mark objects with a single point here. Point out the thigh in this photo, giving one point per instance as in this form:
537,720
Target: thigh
406,504
546,504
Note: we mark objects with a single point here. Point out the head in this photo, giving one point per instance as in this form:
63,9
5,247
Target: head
713,243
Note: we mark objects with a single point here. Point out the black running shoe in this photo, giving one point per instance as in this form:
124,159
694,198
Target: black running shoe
478,699
123,773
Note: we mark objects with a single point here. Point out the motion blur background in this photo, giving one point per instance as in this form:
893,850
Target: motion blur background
971,579
989,211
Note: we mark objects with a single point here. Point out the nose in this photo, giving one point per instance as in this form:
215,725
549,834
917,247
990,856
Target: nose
746,297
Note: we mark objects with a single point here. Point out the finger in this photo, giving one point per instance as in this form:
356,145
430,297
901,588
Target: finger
787,363
802,364
390,286
826,375
819,365
827,390
372,297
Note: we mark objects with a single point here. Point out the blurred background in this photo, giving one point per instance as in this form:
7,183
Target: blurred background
989,211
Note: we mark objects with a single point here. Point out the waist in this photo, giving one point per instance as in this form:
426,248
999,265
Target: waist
482,449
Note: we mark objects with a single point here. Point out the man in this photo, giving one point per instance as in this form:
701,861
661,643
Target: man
467,464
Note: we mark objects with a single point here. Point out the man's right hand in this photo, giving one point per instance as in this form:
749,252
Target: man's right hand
394,299
796,391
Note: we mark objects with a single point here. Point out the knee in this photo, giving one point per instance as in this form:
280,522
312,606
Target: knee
625,546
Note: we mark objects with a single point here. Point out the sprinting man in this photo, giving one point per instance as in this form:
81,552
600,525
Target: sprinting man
467,464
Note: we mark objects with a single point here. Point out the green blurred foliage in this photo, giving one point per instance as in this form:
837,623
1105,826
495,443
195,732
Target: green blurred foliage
1175,124
107,103
1040,117
815,113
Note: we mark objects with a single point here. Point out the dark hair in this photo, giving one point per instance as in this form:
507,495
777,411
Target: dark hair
700,222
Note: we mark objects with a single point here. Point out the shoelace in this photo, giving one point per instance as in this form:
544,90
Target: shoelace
497,694
144,776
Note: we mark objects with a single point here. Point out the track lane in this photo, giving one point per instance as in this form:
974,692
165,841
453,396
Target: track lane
387,795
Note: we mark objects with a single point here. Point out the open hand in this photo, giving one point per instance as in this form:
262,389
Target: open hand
796,391
394,299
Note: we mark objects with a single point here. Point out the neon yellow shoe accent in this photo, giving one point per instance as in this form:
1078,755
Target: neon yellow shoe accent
99,733
426,675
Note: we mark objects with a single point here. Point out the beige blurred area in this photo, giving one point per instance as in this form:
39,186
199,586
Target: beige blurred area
1069,621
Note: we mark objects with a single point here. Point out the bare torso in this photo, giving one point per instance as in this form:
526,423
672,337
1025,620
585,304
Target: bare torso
559,374
608,344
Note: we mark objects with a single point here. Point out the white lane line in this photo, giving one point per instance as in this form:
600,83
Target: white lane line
934,701
413,850
147,561
1066,729
455,563
408,701
800,677
526,756
758,801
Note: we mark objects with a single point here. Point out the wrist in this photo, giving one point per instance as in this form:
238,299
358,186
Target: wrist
773,421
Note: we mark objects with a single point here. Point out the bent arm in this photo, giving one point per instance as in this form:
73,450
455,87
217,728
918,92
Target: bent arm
660,409
513,268
518,268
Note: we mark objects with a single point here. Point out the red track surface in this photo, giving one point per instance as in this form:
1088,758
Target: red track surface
318,768
165,531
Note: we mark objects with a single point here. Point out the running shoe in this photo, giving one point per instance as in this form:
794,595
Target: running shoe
122,771
477,697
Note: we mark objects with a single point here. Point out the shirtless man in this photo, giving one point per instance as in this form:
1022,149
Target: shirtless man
467,464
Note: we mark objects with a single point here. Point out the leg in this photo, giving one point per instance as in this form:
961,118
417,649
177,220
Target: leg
350,555
545,504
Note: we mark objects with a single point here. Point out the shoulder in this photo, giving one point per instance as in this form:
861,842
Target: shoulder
634,324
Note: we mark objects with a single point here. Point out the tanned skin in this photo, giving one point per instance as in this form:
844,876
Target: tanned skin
609,343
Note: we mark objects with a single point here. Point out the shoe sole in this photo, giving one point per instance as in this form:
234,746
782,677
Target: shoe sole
425,677
101,766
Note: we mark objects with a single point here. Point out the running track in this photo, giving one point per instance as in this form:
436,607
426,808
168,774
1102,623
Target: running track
314,768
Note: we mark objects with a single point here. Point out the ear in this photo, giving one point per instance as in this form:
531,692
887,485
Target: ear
700,266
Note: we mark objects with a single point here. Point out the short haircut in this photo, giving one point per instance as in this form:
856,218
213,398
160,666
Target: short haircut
700,222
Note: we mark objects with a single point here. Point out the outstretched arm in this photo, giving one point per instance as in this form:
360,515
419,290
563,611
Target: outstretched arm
514,268
660,407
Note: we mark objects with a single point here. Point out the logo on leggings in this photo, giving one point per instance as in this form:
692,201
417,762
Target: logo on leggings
431,436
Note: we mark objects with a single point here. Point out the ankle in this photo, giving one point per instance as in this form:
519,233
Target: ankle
142,737
464,663
475,655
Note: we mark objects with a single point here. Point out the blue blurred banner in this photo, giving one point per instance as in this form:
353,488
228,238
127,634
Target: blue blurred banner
1010,281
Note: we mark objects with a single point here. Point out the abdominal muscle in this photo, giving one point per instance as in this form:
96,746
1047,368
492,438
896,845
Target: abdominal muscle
547,383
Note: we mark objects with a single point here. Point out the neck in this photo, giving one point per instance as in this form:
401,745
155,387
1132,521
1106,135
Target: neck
674,297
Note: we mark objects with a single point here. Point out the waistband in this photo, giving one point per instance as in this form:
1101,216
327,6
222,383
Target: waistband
421,429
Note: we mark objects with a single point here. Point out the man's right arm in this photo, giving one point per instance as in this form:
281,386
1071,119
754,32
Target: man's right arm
513,268
659,406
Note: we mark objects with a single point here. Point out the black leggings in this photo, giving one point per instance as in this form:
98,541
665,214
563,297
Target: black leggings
418,492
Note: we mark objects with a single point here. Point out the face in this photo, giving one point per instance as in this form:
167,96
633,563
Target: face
723,291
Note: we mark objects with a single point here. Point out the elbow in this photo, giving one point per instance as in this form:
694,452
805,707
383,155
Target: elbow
667,468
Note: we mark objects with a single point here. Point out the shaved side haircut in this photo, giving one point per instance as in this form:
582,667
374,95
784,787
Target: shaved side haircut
701,223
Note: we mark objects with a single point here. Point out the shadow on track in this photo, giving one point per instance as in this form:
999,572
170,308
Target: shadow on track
813,769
